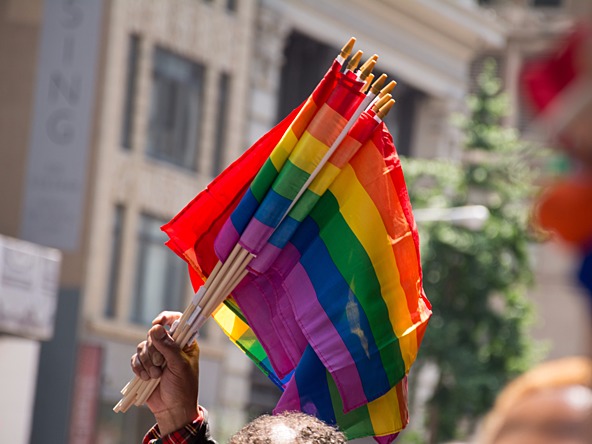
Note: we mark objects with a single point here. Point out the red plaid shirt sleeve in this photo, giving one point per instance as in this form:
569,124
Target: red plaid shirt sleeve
196,432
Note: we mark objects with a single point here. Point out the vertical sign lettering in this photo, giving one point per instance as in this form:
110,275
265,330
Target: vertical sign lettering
62,122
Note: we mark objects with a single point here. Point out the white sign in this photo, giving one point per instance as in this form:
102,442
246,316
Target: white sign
29,279
61,126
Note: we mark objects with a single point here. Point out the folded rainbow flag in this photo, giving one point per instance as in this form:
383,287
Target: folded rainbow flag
336,318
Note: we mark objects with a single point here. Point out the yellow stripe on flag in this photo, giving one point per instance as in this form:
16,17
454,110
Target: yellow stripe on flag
385,413
233,326
364,219
325,177
283,149
308,153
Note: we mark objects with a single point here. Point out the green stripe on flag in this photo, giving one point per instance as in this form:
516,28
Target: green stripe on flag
355,266
356,423
290,180
263,180
305,205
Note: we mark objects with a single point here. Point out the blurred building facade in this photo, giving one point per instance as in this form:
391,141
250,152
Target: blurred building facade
181,88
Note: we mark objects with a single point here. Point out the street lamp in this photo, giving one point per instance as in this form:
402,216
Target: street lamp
472,217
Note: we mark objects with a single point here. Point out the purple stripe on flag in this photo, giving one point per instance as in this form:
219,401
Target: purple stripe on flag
265,259
293,339
255,298
290,399
310,382
255,236
310,313
226,240
388,439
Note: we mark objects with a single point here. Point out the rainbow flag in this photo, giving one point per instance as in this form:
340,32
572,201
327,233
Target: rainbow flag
336,319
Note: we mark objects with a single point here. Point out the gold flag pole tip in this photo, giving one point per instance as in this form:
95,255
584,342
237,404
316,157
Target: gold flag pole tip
367,69
368,82
388,88
377,85
355,61
381,102
369,61
383,111
347,48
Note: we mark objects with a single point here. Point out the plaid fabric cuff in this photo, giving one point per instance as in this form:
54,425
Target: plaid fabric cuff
185,435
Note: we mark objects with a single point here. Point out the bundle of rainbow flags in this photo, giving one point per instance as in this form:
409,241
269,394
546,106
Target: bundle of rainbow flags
331,305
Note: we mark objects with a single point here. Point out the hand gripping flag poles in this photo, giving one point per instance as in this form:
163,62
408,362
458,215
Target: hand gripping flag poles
322,192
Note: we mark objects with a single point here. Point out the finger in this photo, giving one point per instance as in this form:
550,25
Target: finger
138,368
156,358
192,348
144,358
166,318
165,344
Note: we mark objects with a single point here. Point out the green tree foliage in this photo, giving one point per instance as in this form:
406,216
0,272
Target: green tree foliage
475,279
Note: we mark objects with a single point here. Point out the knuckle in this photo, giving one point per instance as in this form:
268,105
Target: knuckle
143,358
153,330
157,358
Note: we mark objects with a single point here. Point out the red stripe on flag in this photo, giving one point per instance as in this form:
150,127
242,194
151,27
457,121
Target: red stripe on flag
198,224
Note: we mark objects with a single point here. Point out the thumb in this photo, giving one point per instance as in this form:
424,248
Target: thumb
166,345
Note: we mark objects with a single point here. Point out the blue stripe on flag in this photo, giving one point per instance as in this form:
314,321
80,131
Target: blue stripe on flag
281,236
244,211
272,209
331,290
313,390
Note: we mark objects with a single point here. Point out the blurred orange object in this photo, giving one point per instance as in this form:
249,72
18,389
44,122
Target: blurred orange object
565,208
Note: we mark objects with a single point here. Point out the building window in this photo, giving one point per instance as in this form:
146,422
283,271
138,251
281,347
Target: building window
115,263
307,61
221,123
264,394
401,119
116,428
161,277
133,53
176,109
231,5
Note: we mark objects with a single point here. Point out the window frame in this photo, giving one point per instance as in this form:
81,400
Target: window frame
131,89
175,275
178,84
